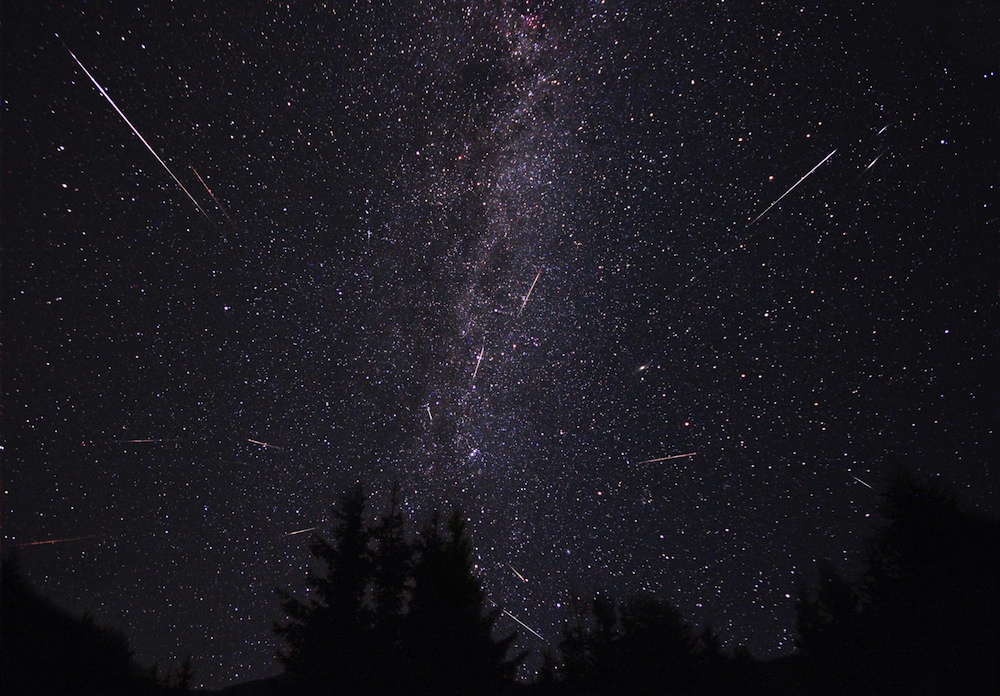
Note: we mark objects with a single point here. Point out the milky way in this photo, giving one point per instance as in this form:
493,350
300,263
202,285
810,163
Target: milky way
656,295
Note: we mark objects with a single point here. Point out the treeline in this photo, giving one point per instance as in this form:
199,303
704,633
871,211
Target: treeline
387,612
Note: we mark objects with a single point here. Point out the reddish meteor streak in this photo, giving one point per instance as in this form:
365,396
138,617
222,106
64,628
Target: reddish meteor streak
56,541
212,195
668,458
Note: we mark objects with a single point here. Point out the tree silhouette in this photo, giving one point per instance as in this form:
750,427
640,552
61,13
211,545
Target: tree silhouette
388,616
640,646
450,644
923,618
46,650
328,635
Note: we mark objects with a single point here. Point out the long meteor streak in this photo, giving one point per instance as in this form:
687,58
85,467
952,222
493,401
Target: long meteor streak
806,176
667,458
863,483
56,541
526,626
134,130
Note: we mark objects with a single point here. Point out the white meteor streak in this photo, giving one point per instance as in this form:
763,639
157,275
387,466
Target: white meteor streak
667,458
526,626
528,296
863,483
299,531
265,445
806,176
134,130
478,360
524,579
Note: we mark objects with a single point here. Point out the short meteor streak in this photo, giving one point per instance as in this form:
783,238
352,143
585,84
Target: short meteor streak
143,441
524,579
807,175
219,205
863,483
667,458
429,416
265,445
528,296
56,541
134,130
299,531
479,359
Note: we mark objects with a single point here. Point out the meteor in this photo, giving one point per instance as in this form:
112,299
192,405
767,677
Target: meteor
56,541
134,129
667,458
524,579
526,626
265,445
528,296
478,360
299,531
212,195
863,483
792,188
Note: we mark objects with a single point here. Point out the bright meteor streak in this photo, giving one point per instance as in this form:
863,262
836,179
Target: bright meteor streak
528,296
863,483
524,579
792,188
526,626
299,531
134,130
667,458
265,445
479,359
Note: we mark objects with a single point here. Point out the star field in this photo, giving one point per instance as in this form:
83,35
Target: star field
507,254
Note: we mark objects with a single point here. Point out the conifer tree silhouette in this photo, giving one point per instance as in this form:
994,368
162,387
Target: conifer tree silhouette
46,650
923,618
450,645
327,636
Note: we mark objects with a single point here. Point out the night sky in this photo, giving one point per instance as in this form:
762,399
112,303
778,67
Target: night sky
506,253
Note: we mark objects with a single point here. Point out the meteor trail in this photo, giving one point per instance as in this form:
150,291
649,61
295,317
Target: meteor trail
429,416
265,445
526,626
528,296
299,531
863,483
478,360
212,195
792,188
56,541
667,458
517,573
134,130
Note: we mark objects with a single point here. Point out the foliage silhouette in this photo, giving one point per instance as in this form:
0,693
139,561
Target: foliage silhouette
393,616
45,650
923,617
